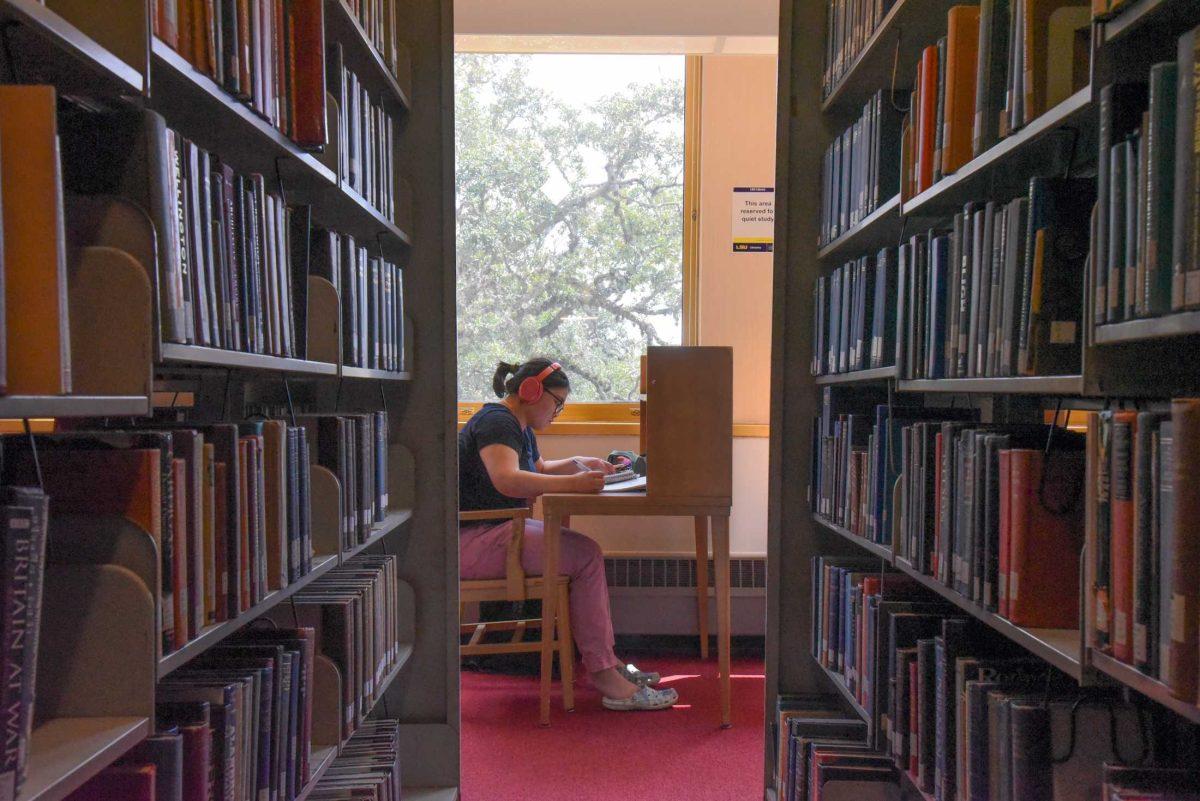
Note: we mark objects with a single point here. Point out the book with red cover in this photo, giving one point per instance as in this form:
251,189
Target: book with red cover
308,72
163,751
1185,578
926,117
179,537
1046,519
1005,457
1122,531
118,783
962,55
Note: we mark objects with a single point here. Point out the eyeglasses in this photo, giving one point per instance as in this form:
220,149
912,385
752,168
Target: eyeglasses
559,403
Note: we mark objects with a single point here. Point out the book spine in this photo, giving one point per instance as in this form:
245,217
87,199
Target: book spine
1143,550
1032,756
1124,425
1184,177
15,692
1185,581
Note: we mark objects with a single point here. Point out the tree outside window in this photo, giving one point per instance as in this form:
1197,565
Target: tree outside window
569,202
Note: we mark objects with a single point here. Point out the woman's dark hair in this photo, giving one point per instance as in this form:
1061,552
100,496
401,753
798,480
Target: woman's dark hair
503,384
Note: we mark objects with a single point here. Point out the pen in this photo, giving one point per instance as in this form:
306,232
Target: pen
582,467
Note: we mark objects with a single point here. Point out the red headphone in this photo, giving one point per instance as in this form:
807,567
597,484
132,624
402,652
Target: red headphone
531,388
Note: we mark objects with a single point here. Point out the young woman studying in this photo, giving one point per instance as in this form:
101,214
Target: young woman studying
499,467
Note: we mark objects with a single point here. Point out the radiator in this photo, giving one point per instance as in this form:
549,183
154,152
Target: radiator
657,595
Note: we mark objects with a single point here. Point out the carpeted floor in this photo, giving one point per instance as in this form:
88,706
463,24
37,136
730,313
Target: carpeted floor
592,754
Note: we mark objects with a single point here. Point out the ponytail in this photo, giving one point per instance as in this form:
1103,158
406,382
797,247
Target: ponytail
503,385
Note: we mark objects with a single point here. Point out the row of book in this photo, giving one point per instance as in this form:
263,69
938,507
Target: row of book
378,19
237,723
854,316
986,509
848,28
1143,240
999,294
366,144
355,612
236,266
354,447
1142,541
268,54
228,506
1000,66
964,716
372,293
860,170
367,768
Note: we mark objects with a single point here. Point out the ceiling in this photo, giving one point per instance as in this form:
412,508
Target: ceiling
628,26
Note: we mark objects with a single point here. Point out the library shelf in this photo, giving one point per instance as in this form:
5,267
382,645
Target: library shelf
884,552
1169,325
878,229
66,752
320,759
53,36
217,632
359,53
1059,647
1012,385
173,353
430,794
394,519
858,376
14,406
838,682
191,101
909,782
896,43
378,375
1148,686
972,180
1152,18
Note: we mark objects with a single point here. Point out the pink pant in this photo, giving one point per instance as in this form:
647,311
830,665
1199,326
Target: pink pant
482,551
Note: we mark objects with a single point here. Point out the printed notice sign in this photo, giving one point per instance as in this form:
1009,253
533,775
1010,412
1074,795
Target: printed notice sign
753,219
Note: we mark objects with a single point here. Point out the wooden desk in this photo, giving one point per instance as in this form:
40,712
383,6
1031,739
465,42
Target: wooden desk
560,507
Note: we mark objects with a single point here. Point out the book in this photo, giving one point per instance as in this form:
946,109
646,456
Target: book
962,70
1185,273
37,328
1185,579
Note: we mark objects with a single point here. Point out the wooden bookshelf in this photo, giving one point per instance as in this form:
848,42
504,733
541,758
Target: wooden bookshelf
321,759
360,56
430,794
1013,385
1059,647
1013,159
839,684
909,26
875,374
1170,325
66,752
173,353
215,634
15,406
1148,686
45,46
1150,18
52,50
884,552
376,375
879,228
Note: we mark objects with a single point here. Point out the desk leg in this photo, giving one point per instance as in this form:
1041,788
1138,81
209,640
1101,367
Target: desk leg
720,547
552,528
702,582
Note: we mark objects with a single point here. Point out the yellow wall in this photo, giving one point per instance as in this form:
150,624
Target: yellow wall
737,143
737,149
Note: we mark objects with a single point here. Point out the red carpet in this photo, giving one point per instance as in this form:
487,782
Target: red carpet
595,755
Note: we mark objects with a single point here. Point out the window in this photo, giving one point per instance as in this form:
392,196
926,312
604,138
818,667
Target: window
569,202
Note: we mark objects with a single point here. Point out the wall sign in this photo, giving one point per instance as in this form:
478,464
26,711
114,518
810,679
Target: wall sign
753,219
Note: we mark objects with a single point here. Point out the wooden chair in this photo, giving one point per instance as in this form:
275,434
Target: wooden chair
516,586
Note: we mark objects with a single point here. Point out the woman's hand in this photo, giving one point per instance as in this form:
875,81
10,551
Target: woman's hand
597,464
591,481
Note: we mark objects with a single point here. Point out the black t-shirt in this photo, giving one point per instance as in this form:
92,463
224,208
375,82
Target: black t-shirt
494,424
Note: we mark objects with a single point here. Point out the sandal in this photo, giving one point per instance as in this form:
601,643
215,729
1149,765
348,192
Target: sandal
644,700
640,677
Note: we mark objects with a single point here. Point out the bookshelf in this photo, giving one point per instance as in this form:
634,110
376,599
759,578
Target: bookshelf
840,685
1142,361
110,59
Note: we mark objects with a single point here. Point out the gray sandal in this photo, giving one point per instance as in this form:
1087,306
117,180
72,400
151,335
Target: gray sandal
640,677
644,700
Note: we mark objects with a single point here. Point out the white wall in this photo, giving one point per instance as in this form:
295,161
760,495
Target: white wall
617,17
